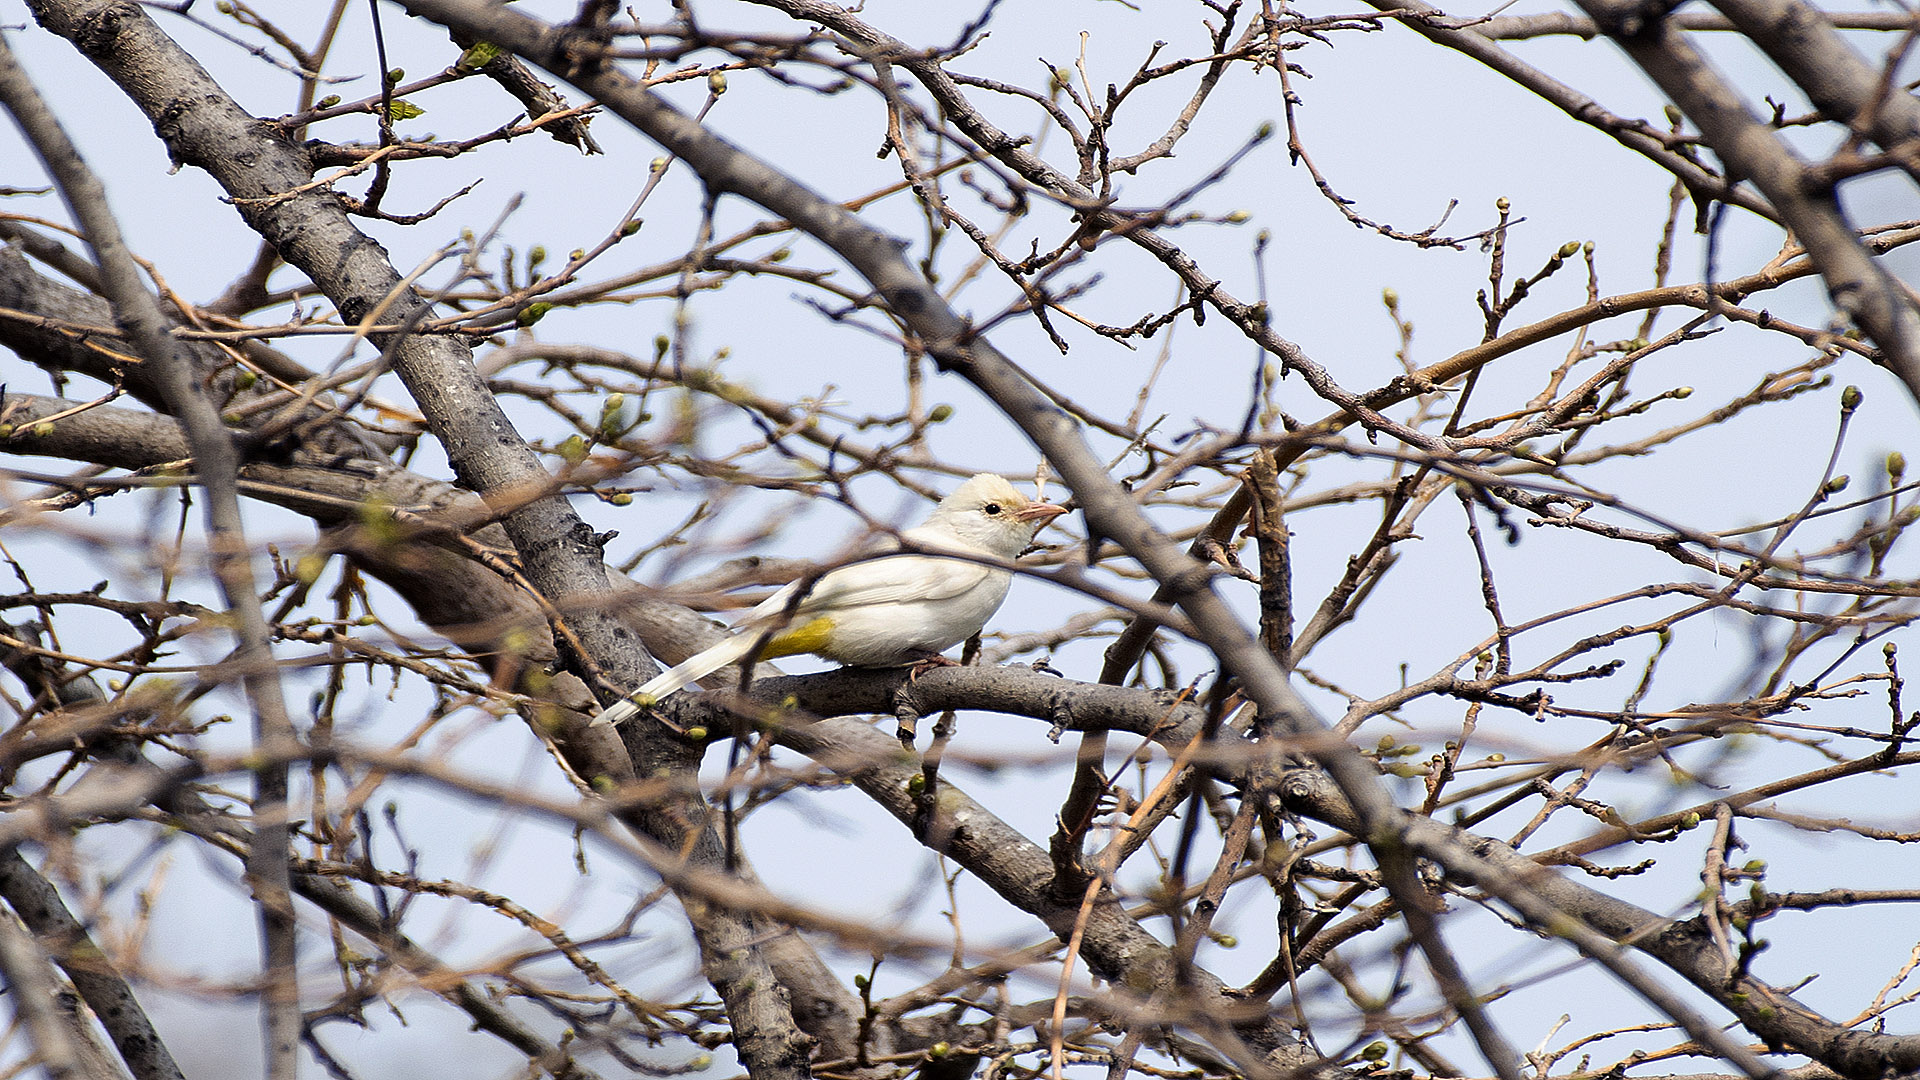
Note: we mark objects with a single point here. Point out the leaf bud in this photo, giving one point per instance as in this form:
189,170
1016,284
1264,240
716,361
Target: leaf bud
1850,399
478,55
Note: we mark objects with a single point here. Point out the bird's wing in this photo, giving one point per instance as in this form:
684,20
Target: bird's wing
895,579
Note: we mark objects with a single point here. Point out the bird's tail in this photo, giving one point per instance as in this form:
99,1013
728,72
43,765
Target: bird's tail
679,677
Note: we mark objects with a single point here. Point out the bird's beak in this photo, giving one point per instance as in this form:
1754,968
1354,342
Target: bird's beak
1039,512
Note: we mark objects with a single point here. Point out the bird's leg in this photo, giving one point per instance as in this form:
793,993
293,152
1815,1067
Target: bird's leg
927,662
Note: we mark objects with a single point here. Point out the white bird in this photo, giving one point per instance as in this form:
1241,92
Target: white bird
885,611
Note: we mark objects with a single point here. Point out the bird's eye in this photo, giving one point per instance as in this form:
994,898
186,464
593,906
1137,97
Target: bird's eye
992,509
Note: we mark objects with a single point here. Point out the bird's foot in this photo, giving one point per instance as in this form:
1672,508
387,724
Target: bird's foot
928,663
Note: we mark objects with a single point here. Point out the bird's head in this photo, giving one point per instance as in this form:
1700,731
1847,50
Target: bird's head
988,513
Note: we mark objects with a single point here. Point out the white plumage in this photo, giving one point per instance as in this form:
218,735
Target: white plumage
885,610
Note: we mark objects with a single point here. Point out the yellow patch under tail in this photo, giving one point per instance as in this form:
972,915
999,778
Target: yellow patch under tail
808,637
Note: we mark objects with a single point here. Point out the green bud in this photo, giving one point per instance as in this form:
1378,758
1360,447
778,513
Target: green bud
537,255
1836,485
1238,217
244,379
532,313
1569,249
307,570
1374,1051
327,102
1690,821
630,227
1896,465
1390,297
395,75
940,414
660,345
1850,398
479,55
657,165
917,784
717,83
1385,744
402,109
1755,866
1502,204
1496,757
367,620
1263,132
1682,393
6,431
697,734
939,1050
573,451
621,498
42,430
